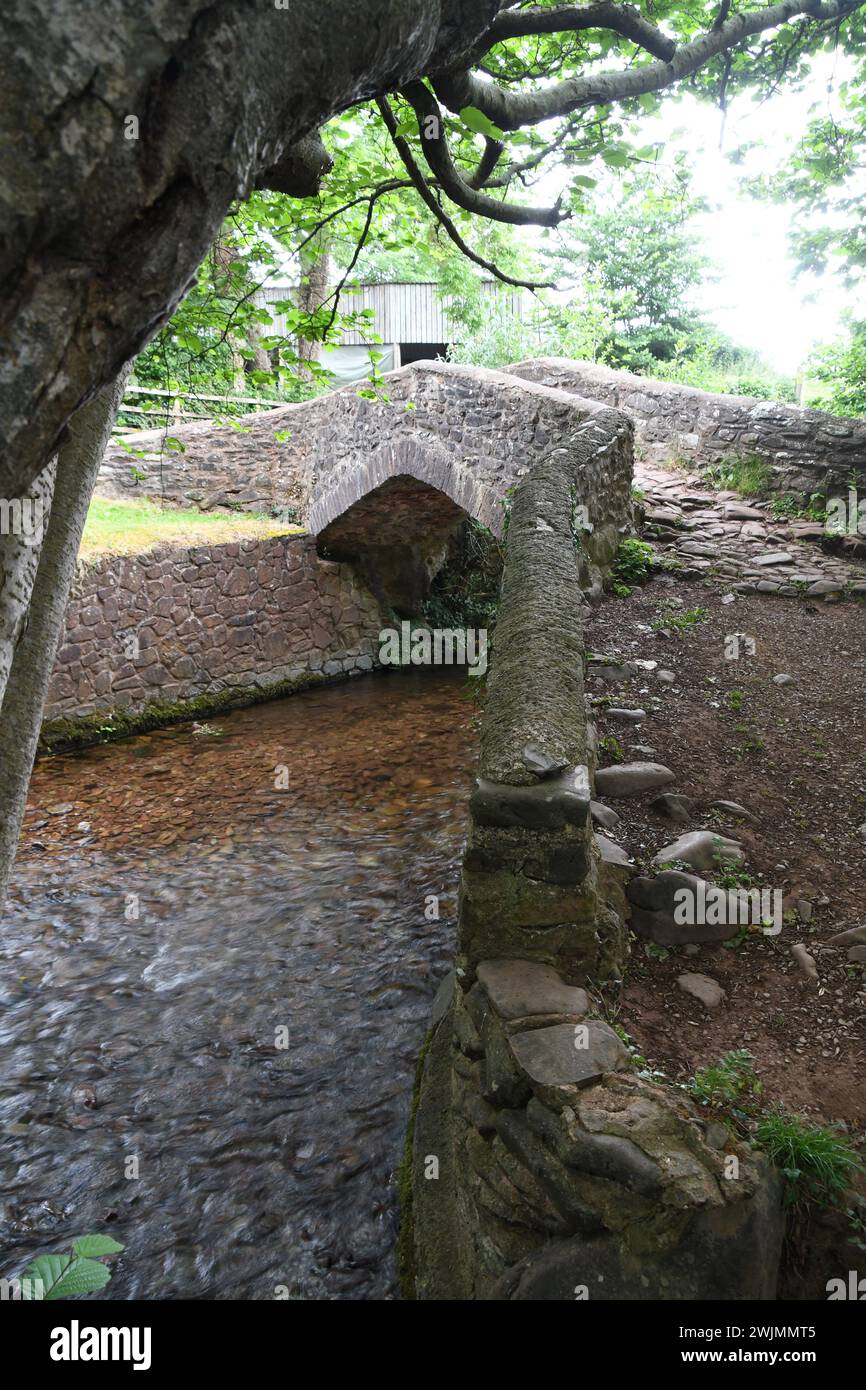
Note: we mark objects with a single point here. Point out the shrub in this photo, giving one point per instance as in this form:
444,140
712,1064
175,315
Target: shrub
633,564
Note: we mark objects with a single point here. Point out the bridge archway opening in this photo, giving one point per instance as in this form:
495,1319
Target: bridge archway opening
397,535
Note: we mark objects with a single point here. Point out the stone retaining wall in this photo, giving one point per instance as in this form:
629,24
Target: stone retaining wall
807,450
171,625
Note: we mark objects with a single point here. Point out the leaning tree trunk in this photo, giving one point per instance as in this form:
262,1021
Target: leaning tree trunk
118,168
33,658
21,533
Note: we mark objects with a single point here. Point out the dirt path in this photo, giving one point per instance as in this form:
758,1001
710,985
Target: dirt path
792,754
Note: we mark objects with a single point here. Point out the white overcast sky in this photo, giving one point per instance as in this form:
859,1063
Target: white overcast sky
758,299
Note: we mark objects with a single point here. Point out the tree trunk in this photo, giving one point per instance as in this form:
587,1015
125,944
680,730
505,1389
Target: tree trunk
313,289
21,534
127,131
33,658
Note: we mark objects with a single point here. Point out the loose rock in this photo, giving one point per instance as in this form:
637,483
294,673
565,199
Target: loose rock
629,779
702,987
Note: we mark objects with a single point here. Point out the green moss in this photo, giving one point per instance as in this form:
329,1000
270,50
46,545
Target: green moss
406,1236
104,726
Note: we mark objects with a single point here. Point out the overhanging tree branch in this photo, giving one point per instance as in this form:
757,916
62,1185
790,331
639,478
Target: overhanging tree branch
420,183
557,19
511,110
431,128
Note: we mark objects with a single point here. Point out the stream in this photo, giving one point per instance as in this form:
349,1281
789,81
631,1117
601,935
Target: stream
216,973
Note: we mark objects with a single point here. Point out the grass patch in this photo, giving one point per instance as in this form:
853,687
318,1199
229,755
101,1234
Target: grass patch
747,473
130,528
611,748
678,621
816,1161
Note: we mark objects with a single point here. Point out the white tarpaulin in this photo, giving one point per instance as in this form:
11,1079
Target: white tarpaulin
352,363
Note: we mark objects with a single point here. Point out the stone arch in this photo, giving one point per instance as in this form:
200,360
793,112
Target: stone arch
393,513
423,460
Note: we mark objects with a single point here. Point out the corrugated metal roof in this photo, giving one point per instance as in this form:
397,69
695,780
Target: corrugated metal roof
404,311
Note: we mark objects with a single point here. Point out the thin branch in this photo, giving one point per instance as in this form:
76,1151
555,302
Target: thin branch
557,19
426,194
493,150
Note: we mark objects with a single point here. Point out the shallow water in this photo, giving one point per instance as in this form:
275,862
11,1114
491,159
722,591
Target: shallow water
179,915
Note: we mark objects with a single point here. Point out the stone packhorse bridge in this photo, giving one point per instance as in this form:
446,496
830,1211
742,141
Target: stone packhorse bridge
543,1166
385,482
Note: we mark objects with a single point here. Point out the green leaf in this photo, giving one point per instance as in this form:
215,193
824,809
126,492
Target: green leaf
175,445
61,1276
43,1274
93,1246
476,121
81,1276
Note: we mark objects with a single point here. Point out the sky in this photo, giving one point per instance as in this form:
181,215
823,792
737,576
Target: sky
758,299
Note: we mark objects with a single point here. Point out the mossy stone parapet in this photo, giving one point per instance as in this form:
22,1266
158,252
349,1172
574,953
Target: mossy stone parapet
562,1174
529,884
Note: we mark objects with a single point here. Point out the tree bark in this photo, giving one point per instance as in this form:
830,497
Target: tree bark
315,263
19,558
33,658
127,132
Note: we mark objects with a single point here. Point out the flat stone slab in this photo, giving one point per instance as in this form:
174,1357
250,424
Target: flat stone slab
525,988
739,511
568,1054
854,936
627,716
612,853
603,815
674,806
701,849
733,808
545,805
629,779
774,557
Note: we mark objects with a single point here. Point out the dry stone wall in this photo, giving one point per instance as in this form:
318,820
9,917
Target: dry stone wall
171,625
807,450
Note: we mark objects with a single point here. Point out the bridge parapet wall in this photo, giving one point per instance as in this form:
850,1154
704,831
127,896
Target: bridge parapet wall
562,1173
807,450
